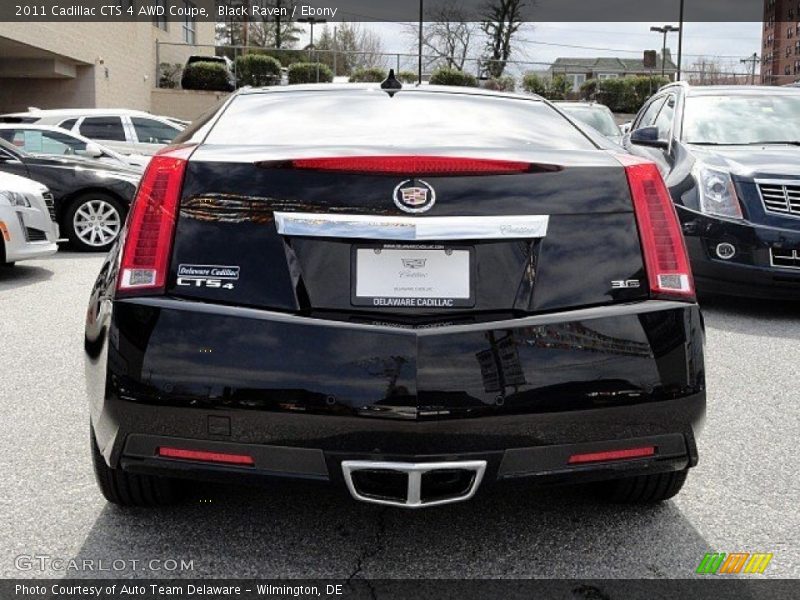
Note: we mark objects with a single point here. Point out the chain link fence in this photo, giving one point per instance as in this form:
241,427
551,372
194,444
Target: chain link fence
343,64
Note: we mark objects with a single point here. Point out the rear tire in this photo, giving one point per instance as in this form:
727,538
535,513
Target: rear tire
129,489
643,489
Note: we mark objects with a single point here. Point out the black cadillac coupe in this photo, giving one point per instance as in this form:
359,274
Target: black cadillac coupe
409,293
731,158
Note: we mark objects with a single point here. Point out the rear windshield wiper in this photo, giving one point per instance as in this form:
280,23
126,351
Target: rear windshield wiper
776,142
764,143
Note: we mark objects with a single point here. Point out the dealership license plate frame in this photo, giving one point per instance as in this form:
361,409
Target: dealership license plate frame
419,303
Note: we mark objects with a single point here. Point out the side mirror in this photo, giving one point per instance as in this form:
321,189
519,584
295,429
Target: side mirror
647,136
93,151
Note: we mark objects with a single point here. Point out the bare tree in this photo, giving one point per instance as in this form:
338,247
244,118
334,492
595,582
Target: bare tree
501,19
448,35
355,48
275,31
707,71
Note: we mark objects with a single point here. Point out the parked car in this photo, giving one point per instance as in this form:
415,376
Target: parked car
126,131
222,60
51,140
731,158
91,198
27,220
595,115
401,300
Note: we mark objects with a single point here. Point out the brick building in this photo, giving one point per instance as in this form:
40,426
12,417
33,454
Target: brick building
780,42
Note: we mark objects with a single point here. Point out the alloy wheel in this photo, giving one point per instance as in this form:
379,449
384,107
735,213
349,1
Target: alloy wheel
97,223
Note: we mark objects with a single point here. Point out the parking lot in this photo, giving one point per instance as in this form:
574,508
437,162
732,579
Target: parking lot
741,498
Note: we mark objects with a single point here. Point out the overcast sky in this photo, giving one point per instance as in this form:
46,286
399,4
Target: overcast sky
544,42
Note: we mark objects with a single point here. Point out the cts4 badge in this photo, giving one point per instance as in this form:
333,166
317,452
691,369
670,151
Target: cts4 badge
414,196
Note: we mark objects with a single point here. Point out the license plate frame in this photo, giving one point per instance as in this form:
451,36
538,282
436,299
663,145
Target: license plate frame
414,302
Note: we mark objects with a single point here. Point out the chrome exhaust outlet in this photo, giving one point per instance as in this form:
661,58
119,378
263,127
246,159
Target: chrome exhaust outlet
413,485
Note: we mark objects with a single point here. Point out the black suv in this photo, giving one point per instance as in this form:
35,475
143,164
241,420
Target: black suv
731,158
435,289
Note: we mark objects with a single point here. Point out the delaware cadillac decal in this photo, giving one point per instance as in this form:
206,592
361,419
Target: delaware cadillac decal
208,276
414,196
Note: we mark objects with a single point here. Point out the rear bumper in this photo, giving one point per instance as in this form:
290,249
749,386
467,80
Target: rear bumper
543,465
749,272
301,395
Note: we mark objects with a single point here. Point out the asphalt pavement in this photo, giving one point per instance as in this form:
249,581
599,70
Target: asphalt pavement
741,498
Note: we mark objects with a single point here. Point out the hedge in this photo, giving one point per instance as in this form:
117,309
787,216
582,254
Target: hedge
555,88
368,75
501,84
625,95
533,84
209,76
408,76
445,76
257,70
310,73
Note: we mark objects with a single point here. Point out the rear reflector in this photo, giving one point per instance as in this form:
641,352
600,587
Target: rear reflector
413,165
664,249
201,455
591,457
151,225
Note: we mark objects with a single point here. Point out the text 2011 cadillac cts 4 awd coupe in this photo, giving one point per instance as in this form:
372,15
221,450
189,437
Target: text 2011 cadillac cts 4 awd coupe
409,293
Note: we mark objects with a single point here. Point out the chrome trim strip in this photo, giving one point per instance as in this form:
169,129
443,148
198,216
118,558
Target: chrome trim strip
414,472
411,228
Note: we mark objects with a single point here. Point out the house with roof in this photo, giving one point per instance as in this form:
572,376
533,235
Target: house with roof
578,70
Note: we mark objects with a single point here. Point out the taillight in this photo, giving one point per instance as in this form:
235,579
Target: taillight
664,249
151,224
413,165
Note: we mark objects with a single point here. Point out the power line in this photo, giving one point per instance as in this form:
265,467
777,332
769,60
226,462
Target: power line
602,49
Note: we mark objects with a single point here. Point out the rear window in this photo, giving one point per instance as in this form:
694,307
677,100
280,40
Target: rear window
409,119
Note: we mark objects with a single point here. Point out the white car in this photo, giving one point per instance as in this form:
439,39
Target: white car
123,130
27,225
51,140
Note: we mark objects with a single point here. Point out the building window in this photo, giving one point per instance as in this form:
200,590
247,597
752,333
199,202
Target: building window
787,70
160,21
189,24
577,79
607,75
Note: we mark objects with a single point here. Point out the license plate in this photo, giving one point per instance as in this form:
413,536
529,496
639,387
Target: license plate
398,276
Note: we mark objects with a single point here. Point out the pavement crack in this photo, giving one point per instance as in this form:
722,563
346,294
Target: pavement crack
367,551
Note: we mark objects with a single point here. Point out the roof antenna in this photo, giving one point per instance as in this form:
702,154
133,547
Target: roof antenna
391,84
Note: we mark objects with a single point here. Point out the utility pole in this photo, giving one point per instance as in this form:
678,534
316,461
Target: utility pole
752,60
665,30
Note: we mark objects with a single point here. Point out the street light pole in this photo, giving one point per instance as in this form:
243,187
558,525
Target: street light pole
680,41
665,30
311,21
419,50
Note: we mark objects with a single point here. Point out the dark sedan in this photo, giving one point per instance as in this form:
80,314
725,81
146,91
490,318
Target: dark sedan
731,158
409,293
91,197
